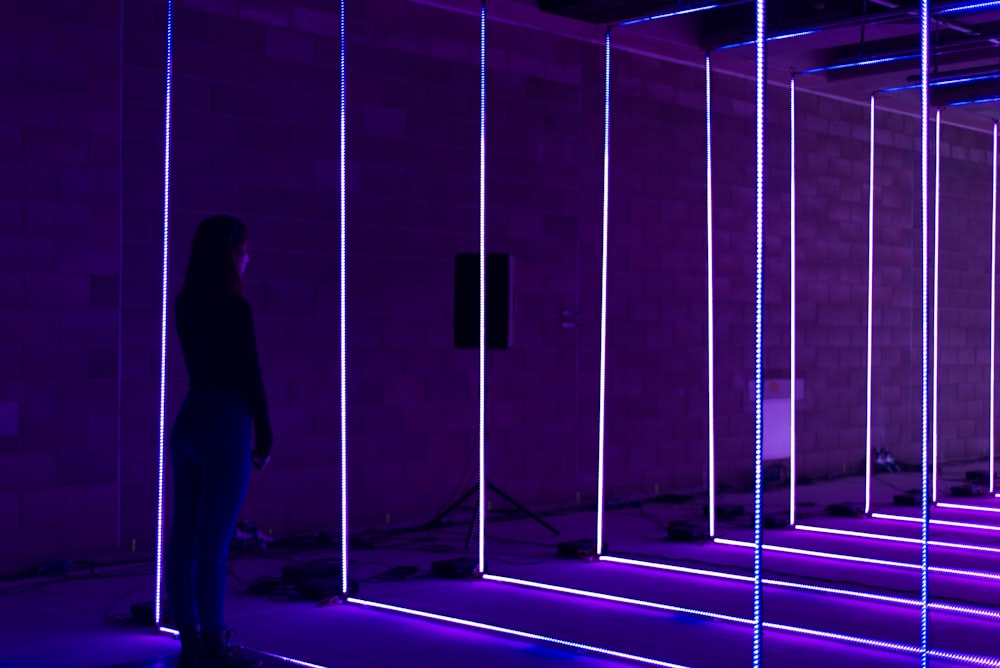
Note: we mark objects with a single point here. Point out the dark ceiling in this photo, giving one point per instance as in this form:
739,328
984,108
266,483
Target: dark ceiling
838,39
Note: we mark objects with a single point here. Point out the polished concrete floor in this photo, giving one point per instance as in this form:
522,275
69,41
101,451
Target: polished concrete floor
811,605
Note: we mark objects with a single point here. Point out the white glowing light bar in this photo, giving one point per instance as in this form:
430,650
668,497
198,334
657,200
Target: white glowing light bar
945,523
667,15
711,298
617,599
961,506
871,300
168,96
937,309
925,57
518,634
760,88
481,510
791,355
604,293
677,569
344,560
898,539
993,316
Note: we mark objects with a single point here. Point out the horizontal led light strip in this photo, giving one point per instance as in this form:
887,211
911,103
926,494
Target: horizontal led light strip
864,560
667,15
286,659
961,506
617,599
516,633
677,569
945,523
897,539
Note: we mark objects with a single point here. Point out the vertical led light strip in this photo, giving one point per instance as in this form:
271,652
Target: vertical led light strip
343,302
711,298
604,291
871,302
482,287
791,352
925,500
937,310
163,306
759,335
993,313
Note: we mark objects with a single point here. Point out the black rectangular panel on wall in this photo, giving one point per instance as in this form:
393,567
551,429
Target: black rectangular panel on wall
498,300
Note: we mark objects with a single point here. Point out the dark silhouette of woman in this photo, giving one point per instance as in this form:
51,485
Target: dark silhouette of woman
210,445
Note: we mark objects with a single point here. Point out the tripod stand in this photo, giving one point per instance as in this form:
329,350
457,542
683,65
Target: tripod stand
472,522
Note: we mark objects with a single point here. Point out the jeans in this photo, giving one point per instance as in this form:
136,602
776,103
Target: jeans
210,451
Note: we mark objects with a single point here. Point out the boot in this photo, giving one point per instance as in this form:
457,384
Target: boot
190,649
218,652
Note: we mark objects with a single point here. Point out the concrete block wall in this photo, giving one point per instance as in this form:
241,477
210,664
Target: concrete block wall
255,123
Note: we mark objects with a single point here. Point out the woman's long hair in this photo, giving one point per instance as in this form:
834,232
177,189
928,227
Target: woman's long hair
211,269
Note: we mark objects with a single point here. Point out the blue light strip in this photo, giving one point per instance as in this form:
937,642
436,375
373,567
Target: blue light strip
482,288
943,83
761,83
924,472
792,299
604,292
861,63
772,38
993,316
871,301
344,560
667,15
968,8
968,103
711,296
936,298
168,97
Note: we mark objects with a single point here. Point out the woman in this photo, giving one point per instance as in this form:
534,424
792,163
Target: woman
210,443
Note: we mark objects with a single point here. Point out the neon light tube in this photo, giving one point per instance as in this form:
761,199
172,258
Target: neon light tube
481,510
792,300
604,293
993,316
966,103
942,82
925,59
711,298
667,15
168,97
286,659
898,539
960,506
871,301
518,634
968,7
946,523
937,309
772,38
677,569
758,379
617,599
861,63
344,560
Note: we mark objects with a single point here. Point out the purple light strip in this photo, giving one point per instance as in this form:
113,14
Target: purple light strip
604,292
937,310
617,599
961,506
286,659
677,569
871,301
519,634
986,575
993,315
792,301
344,560
946,523
711,297
925,15
758,487
168,97
898,539
481,510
